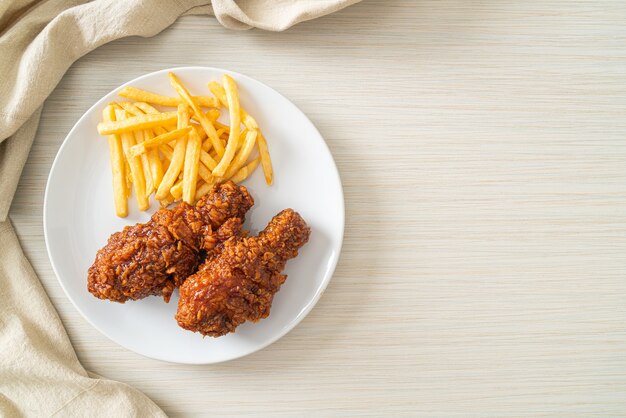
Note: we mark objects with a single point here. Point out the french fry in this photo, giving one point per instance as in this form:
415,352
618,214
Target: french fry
203,189
136,169
129,177
201,132
205,173
191,166
118,169
136,123
220,125
206,124
266,161
167,201
250,123
166,164
139,95
243,154
178,156
212,115
177,190
235,121
219,92
131,108
207,160
156,167
245,171
145,163
206,144
151,162
167,151
204,170
146,108
154,160
165,138
242,138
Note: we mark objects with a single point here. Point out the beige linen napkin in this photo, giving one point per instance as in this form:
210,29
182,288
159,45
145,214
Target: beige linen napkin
40,374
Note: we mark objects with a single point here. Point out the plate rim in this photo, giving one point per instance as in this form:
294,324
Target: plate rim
306,309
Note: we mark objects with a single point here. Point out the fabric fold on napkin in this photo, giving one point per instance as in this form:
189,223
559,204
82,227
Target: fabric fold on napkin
39,40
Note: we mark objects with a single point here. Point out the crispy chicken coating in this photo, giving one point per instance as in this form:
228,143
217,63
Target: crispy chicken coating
238,283
156,257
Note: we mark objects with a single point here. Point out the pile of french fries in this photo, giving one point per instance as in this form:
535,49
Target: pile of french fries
180,154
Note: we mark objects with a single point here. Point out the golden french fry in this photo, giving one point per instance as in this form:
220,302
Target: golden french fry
205,173
145,163
178,156
201,132
212,115
118,169
131,108
235,121
139,95
177,190
203,189
266,161
207,163
156,167
136,123
206,144
146,108
219,92
245,171
250,123
160,130
136,169
165,138
167,201
243,154
166,163
207,160
153,171
206,124
167,151
191,167
129,177
220,125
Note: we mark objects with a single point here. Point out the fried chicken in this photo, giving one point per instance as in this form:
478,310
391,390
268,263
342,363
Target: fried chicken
238,282
156,257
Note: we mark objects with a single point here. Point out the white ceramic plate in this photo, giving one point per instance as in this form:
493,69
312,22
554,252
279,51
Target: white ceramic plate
79,217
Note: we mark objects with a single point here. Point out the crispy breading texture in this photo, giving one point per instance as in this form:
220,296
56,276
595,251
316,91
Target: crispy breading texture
239,282
156,257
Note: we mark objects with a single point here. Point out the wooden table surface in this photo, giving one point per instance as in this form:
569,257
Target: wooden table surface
482,148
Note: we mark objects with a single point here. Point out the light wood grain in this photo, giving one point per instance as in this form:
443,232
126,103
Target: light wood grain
482,148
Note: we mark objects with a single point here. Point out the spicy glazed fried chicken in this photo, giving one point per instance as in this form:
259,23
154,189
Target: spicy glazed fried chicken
156,257
238,283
